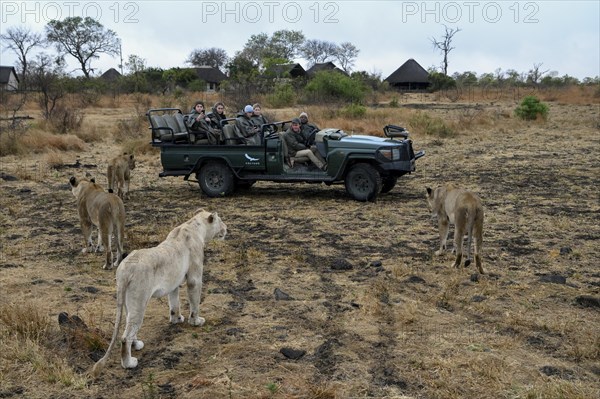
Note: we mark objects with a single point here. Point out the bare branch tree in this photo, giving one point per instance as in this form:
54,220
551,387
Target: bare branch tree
315,51
346,55
535,74
445,45
21,41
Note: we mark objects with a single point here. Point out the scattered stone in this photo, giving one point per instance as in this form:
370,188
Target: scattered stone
556,371
341,264
91,290
588,301
566,250
376,263
233,331
6,177
293,354
72,322
415,280
281,296
553,278
478,298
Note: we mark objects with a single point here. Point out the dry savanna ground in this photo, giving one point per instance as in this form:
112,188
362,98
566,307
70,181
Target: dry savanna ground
314,295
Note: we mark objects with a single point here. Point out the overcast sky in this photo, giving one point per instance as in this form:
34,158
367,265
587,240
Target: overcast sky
562,36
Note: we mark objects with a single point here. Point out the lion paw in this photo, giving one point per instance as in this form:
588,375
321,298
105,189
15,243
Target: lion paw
439,252
107,266
84,251
176,320
130,363
138,345
197,321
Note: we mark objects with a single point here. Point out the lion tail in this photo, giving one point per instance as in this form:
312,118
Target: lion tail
110,175
471,216
120,302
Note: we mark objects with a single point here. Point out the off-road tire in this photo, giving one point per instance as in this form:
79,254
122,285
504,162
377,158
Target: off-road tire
388,183
216,179
363,182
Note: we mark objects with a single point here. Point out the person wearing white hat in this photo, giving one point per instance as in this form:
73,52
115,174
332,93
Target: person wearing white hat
244,124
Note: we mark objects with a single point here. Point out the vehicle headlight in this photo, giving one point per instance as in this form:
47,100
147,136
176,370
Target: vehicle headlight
391,154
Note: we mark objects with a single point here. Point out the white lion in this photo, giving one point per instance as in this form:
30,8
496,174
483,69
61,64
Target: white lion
159,271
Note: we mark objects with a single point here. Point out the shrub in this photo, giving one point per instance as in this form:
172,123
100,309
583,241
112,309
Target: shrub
331,85
354,111
423,123
531,108
282,96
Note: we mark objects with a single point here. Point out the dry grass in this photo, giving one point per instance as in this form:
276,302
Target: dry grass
412,327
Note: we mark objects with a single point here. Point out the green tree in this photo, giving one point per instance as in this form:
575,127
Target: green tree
283,44
214,57
83,38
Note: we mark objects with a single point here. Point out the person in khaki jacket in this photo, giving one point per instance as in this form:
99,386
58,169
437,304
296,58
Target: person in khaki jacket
296,148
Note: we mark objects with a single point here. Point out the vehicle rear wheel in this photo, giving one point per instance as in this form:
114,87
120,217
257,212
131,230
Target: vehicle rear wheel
388,183
216,179
363,182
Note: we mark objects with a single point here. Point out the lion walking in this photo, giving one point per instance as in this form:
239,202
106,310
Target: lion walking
104,210
118,174
464,209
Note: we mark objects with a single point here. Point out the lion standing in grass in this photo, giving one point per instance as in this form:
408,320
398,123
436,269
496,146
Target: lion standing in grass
462,208
118,174
104,210
159,271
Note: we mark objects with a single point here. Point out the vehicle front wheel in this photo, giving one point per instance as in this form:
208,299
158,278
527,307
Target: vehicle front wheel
388,184
216,179
363,182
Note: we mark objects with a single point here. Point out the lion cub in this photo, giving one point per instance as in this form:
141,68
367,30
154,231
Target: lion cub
118,174
462,208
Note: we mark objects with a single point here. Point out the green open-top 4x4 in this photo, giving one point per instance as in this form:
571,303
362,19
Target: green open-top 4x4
367,165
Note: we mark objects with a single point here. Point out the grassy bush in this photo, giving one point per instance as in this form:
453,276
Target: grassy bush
330,85
423,123
282,96
354,111
531,108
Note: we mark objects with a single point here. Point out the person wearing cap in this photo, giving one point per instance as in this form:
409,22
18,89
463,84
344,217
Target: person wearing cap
307,128
295,145
245,125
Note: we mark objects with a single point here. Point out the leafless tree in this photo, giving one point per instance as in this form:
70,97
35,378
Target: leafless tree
346,55
316,51
535,74
46,75
444,45
21,40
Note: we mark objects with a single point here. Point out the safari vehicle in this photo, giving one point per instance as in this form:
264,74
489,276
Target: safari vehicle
367,165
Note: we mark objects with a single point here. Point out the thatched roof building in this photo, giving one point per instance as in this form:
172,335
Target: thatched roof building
212,76
323,66
410,76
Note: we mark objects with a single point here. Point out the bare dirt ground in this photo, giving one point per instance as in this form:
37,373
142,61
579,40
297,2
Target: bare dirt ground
351,289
